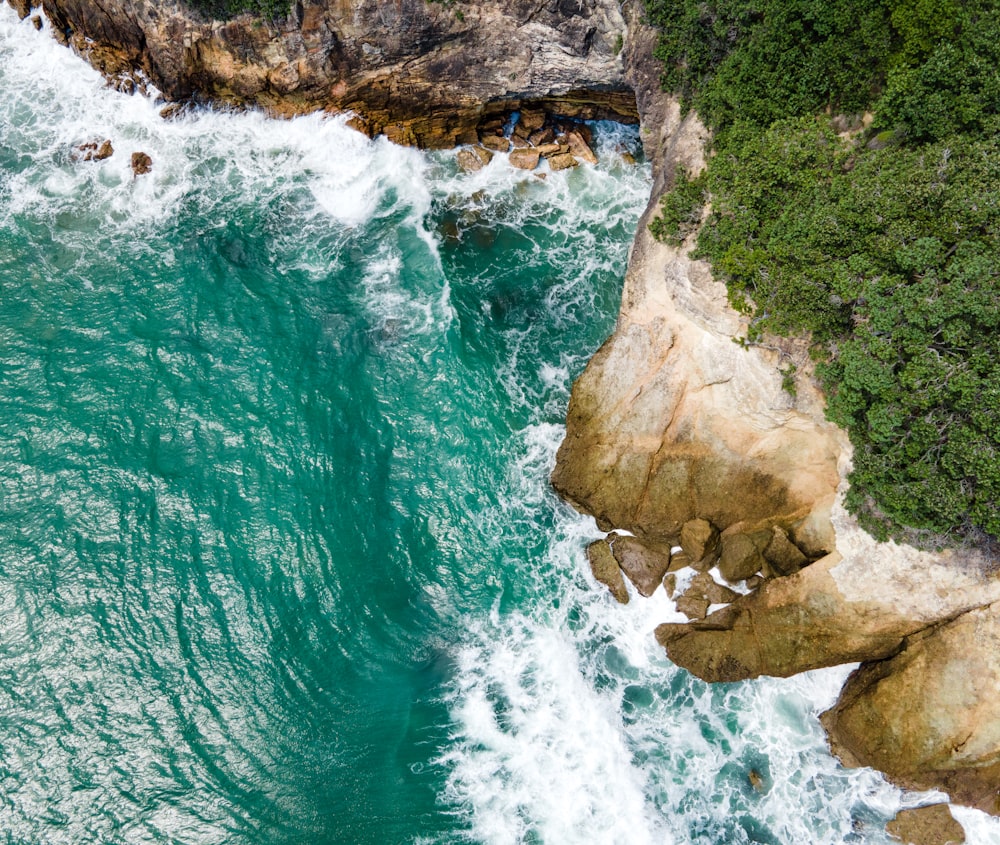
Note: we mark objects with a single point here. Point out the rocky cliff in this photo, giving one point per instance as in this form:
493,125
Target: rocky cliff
423,73
675,432
715,457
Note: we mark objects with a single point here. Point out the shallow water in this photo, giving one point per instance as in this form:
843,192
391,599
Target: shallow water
278,557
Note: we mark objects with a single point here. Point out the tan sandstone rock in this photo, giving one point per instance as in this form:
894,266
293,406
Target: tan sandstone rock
562,161
141,163
700,540
930,716
783,554
468,160
741,555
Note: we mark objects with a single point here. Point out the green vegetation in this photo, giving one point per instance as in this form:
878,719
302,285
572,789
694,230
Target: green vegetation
227,9
883,243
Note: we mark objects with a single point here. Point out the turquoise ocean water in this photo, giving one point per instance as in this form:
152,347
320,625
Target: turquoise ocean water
279,562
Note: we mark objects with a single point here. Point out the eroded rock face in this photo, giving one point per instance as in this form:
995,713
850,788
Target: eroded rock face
417,71
672,421
930,716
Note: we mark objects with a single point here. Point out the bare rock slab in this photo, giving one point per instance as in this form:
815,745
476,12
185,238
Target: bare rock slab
930,825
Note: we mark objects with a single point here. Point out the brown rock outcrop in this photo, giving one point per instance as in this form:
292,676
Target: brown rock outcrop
837,610
413,70
930,825
930,716
141,163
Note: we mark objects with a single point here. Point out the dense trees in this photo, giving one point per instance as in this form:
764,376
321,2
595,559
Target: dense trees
882,243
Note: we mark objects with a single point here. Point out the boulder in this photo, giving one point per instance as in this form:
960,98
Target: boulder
692,606
579,147
22,7
526,159
542,136
670,584
485,156
783,555
606,570
562,161
930,825
741,556
468,160
706,586
679,560
643,566
531,121
929,717
172,110
141,163
496,143
700,540
93,151
548,150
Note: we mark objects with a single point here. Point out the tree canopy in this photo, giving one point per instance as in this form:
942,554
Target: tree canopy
881,242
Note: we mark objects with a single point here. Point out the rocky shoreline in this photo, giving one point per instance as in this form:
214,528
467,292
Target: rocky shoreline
685,446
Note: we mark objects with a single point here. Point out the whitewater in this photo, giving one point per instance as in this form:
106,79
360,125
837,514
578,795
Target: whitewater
279,560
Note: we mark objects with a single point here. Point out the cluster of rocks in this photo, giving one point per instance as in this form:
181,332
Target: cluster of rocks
534,136
92,151
140,162
741,557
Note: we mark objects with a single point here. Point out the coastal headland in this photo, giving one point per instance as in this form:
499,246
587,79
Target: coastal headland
687,447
